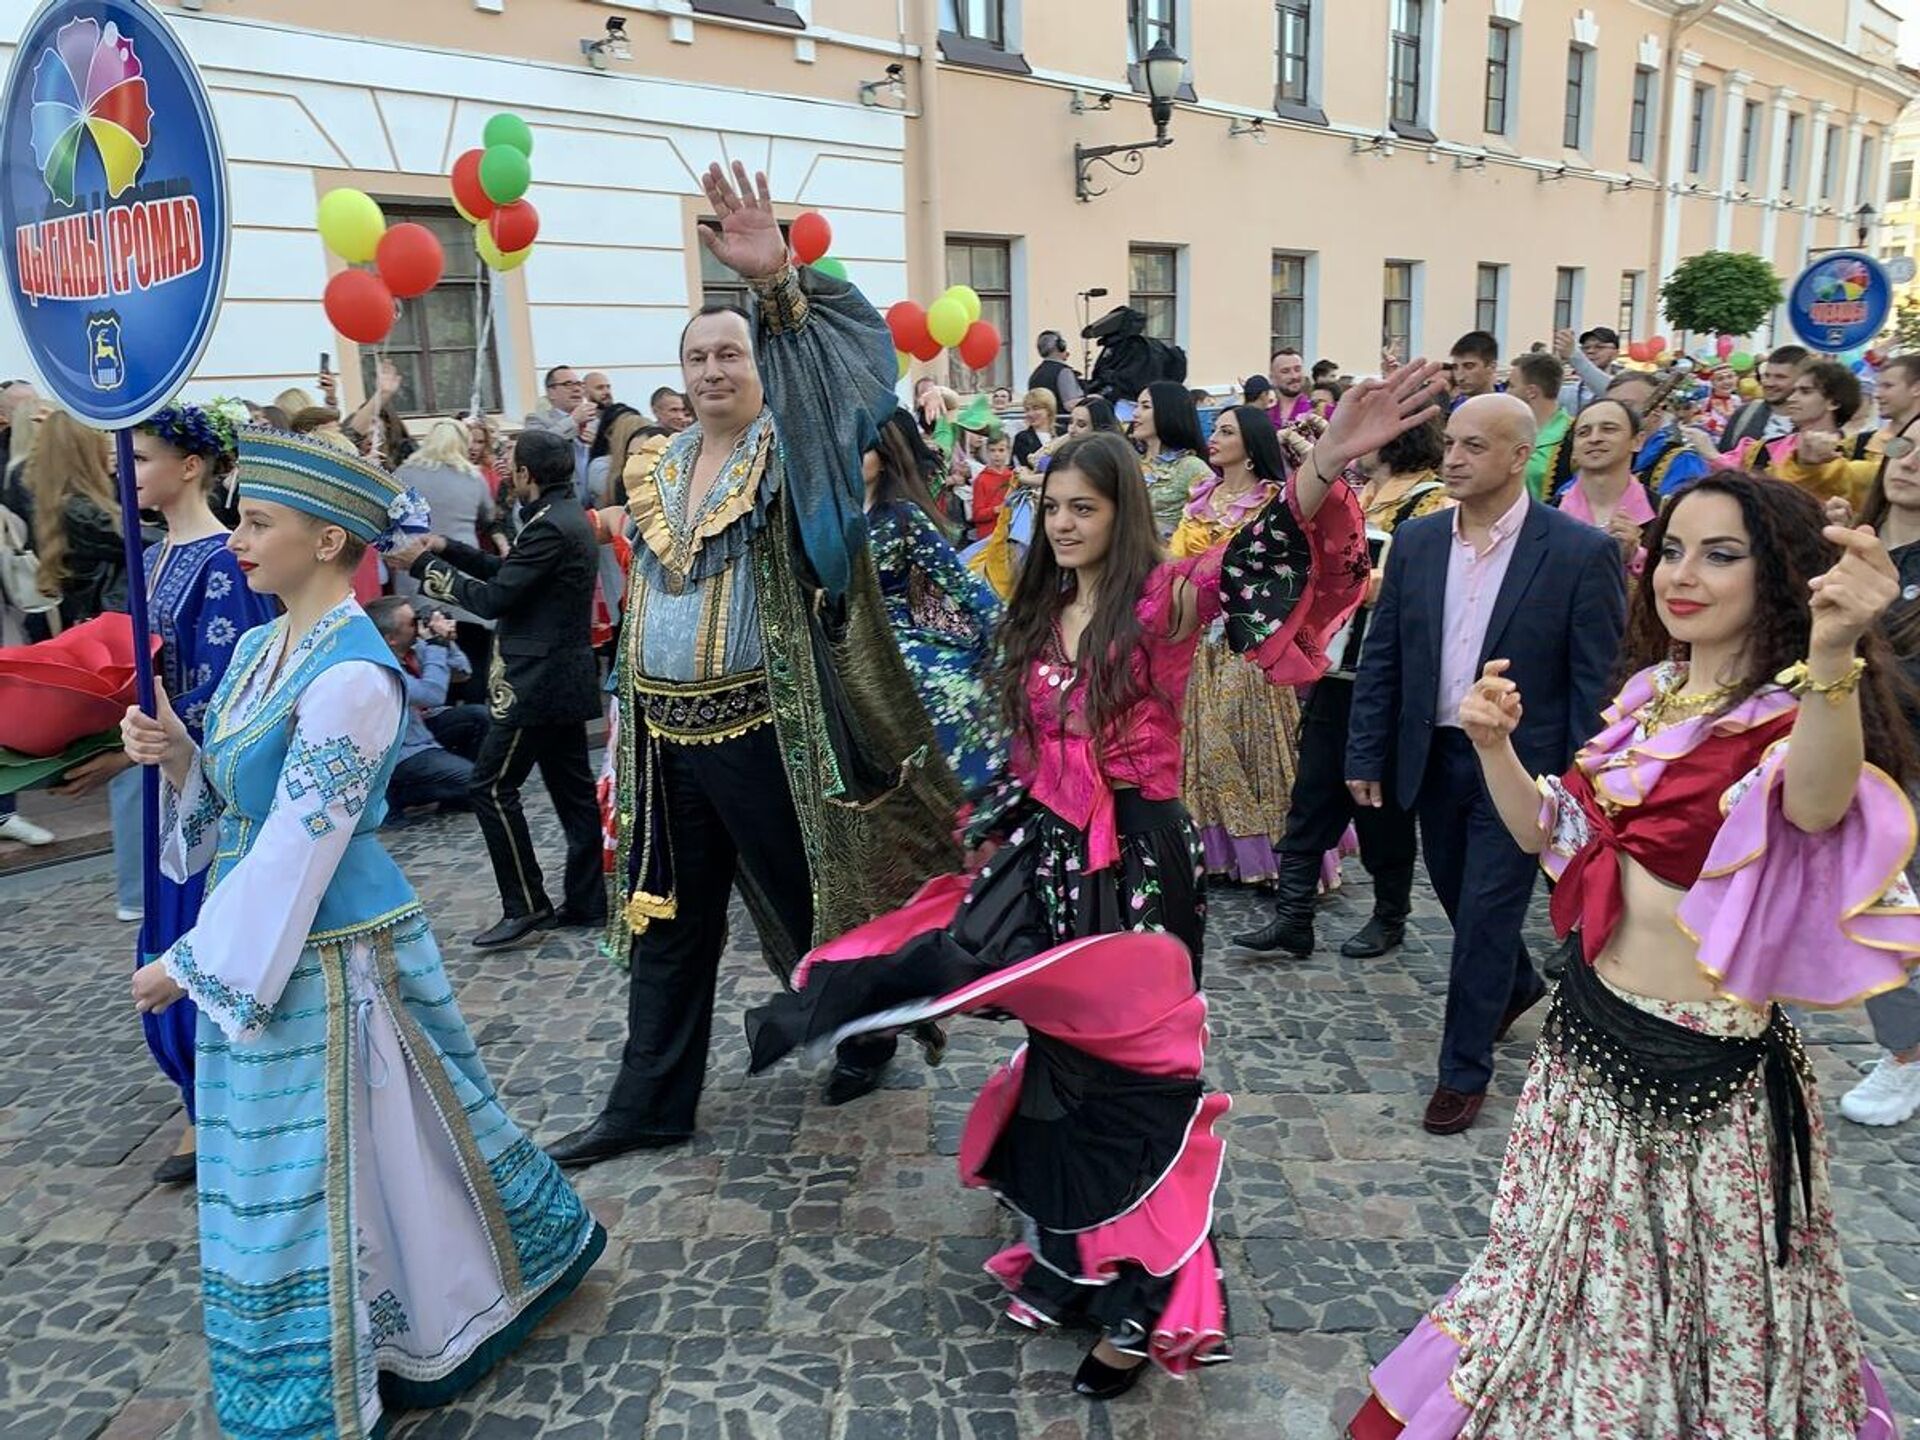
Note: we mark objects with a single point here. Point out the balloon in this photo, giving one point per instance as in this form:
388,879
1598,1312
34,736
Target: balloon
1741,362
514,227
493,256
351,224
1658,343
410,259
1860,366
928,349
907,322
810,236
979,345
504,174
360,306
1637,350
1723,347
469,197
508,129
969,301
900,362
828,265
947,320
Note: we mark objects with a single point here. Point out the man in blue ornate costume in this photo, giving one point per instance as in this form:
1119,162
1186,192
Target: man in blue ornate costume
769,732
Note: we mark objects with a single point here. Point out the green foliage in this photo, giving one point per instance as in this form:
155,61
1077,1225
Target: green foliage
1721,292
1906,327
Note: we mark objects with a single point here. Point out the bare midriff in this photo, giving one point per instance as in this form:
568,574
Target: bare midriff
1648,953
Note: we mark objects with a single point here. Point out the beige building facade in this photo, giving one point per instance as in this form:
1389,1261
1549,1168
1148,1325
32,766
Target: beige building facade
1340,173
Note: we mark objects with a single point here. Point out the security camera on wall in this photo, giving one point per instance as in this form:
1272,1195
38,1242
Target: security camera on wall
617,43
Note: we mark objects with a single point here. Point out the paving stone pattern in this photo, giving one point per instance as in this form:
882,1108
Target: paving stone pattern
800,1273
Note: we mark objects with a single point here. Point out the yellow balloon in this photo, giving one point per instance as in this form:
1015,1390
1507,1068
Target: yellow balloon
901,361
947,320
351,224
969,300
491,253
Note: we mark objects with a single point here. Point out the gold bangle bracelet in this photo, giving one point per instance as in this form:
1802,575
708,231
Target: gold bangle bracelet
1799,679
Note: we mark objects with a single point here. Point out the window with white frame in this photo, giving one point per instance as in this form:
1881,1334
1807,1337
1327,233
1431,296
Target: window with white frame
1629,304
1490,300
1407,62
1575,125
1830,164
1640,115
1149,22
1700,130
1863,188
1153,288
987,265
1400,295
1566,297
437,337
1790,155
1498,116
1294,52
981,20
1291,277
1749,140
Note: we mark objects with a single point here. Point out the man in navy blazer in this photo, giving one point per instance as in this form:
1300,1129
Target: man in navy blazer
1497,576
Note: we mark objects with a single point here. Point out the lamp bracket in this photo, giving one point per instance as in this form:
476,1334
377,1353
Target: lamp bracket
1131,162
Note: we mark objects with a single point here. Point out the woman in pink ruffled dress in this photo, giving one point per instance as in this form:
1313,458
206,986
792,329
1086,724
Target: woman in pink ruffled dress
1662,1258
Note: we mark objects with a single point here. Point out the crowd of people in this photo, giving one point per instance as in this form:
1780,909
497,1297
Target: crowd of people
973,701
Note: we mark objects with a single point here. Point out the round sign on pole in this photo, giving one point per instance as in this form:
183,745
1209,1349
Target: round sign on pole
113,203
1901,269
1840,301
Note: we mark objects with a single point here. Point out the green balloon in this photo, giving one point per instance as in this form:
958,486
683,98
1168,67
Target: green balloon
509,129
828,265
505,174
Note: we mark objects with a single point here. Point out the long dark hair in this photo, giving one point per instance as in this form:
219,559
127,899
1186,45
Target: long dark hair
1262,439
909,467
1902,622
1783,534
1176,420
1099,413
1104,668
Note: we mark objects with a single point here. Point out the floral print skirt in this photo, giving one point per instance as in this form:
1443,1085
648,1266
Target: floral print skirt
1631,1285
1242,752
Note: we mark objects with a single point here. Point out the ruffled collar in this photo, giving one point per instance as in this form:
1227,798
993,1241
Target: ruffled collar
1239,508
676,547
1623,762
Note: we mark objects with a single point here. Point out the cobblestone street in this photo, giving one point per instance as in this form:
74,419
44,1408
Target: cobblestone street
801,1273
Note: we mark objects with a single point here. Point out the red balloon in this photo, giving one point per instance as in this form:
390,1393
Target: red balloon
468,193
980,345
810,236
410,260
515,226
1658,346
928,349
907,320
360,306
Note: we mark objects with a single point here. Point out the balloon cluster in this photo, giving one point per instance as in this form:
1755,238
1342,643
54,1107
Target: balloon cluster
407,258
489,190
953,320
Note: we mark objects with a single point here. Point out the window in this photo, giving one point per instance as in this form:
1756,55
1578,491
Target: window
1640,120
1566,298
1409,38
1489,297
1629,304
1900,182
1149,22
1699,130
1296,53
1790,155
1573,130
1153,287
986,265
767,12
1499,77
982,20
436,336
718,284
1396,311
1289,327
1830,164
1749,139
1863,189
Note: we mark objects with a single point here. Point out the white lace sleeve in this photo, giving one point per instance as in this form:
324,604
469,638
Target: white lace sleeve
189,824
254,923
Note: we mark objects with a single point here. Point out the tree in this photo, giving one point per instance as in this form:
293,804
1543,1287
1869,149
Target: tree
1906,327
1721,292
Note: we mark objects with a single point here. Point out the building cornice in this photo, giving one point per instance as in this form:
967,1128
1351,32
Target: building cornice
1743,20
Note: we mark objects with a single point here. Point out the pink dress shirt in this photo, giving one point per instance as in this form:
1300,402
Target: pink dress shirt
1473,584
1634,504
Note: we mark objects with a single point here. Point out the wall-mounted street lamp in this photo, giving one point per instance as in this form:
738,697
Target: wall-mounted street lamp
613,45
1863,219
1164,69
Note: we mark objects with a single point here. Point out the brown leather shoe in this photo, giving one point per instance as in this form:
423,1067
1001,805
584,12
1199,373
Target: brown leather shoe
1451,1111
1514,1012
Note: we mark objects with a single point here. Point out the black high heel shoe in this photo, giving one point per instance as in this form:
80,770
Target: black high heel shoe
1098,1380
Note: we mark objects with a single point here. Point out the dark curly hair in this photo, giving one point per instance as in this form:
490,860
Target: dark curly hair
1783,525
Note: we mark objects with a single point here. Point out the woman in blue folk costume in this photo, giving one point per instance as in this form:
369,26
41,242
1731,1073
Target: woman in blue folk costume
375,1233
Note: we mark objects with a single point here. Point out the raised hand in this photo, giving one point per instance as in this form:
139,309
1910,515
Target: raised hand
1491,712
1839,512
1851,597
748,240
1375,411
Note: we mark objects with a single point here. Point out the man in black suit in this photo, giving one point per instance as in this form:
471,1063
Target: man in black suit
543,687
1498,575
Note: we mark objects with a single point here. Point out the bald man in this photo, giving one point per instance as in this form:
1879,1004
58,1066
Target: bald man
1499,576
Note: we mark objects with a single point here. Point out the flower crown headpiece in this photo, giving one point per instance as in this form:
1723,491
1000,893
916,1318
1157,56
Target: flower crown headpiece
212,430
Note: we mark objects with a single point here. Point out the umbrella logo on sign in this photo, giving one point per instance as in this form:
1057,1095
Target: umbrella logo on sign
88,88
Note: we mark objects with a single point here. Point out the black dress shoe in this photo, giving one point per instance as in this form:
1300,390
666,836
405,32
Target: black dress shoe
1098,1380
511,930
1281,933
603,1140
850,1081
1374,939
177,1169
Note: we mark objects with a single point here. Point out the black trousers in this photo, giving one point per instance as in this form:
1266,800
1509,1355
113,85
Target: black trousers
729,809
507,756
1323,807
476,643
1484,882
